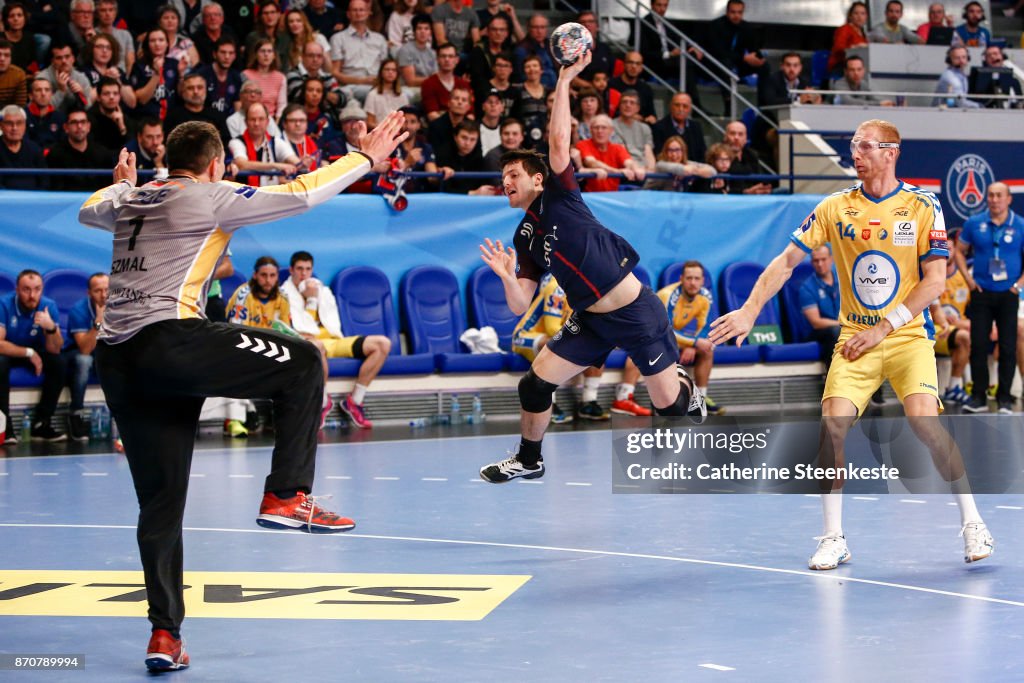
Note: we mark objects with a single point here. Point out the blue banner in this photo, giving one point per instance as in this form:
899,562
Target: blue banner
41,231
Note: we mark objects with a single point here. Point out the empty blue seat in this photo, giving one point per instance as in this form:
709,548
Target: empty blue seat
796,322
365,307
7,284
489,308
433,316
67,287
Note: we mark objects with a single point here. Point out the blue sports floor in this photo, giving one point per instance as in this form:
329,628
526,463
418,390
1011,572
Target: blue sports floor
448,578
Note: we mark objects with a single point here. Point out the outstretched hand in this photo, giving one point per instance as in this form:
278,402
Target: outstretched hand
735,324
501,259
125,168
379,143
573,70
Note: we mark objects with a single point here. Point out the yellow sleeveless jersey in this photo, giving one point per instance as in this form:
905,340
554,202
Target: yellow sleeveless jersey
547,312
878,245
955,297
245,308
683,311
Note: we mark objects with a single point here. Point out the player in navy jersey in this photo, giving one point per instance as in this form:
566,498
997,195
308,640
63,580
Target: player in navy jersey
595,268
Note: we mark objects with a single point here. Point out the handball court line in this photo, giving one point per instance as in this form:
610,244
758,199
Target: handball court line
821,576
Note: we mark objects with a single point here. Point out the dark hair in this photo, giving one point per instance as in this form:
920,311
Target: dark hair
60,45
853,6
445,46
299,256
147,54
9,7
94,276
734,2
691,264
852,58
192,145
510,121
5,44
104,82
225,40
294,106
507,56
90,46
893,2
266,261
533,161
26,273
421,19
149,122
630,93
787,55
467,125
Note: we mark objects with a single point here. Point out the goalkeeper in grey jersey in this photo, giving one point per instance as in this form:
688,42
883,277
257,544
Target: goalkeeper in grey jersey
158,357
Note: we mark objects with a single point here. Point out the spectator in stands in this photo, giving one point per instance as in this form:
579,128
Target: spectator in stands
106,116
441,131
631,131
746,162
296,32
70,86
673,159
250,92
857,83
84,321
189,15
490,122
349,119
537,44
314,313
630,79
777,90
891,30
78,150
326,19
850,34
358,52
602,58
268,12
30,338
937,18
532,107
264,70
415,153
656,44
23,42
497,8
455,23
13,81
437,89
416,58
257,150
601,156
997,236
733,41
212,30
688,303
499,83
398,29
155,76
148,147
998,83
971,33
386,95
312,64
952,87
511,138
294,131
591,105
16,151
323,125
103,55
45,123
678,122
482,56
82,26
609,95
465,157
106,18
720,157
819,302
223,81
179,46
193,107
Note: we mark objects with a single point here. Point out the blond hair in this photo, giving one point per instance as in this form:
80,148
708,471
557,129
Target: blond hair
887,132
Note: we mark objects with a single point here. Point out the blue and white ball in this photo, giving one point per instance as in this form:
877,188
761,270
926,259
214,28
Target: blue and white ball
569,42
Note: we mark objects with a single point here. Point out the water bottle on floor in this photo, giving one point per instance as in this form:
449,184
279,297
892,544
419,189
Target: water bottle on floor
455,411
478,415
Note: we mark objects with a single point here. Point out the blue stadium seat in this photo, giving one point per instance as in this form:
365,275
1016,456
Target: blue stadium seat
7,283
365,307
67,287
819,68
486,298
737,282
796,322
642,275
749,118
433,316
229,285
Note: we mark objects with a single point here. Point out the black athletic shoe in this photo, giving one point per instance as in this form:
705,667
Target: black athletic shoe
592,411
78,428
975,405
509,469
878,398
42,431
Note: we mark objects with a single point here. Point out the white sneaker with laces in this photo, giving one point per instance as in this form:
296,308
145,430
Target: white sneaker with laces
509,469
831,552
978,542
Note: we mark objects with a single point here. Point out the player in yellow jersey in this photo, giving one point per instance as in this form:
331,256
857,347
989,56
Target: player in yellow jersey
889,242
259,302
688,304
953,328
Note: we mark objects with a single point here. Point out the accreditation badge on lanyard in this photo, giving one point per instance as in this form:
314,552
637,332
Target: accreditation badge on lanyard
996,265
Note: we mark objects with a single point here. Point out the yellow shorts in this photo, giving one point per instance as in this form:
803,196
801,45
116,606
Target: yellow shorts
942,347
525,344
907,362
342,347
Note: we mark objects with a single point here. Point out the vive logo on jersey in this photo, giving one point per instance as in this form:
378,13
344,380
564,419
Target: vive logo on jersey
966,184
875,279
904,233
247,191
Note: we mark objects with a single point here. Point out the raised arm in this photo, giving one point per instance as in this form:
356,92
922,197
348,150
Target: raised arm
560,136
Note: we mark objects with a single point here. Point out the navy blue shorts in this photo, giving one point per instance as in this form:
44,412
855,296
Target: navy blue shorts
640,328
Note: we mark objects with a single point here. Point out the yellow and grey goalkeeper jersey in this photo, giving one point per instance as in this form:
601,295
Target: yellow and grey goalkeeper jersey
170,234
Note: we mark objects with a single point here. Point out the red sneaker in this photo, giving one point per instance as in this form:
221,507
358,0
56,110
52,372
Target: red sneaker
354,411
630,407
300,513
165,652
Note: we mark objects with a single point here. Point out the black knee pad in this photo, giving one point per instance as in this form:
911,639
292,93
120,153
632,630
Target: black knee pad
535,393
683,404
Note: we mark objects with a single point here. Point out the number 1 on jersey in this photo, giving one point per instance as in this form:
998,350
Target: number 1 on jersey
136,223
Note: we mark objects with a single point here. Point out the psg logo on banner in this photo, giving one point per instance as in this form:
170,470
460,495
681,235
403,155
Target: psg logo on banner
967,183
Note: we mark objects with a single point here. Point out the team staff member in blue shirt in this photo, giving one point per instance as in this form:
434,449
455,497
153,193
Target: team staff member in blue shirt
84,321
997,236
30,337
819,302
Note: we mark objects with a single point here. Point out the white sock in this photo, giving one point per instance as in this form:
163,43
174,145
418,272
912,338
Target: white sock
955,382
590,386
358,394
965,501
624,391
993,371
327,399
832,510
703,390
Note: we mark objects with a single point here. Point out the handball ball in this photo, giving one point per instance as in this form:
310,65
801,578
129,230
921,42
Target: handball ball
569,42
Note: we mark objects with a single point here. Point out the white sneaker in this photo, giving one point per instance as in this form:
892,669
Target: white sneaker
978,542
831,552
